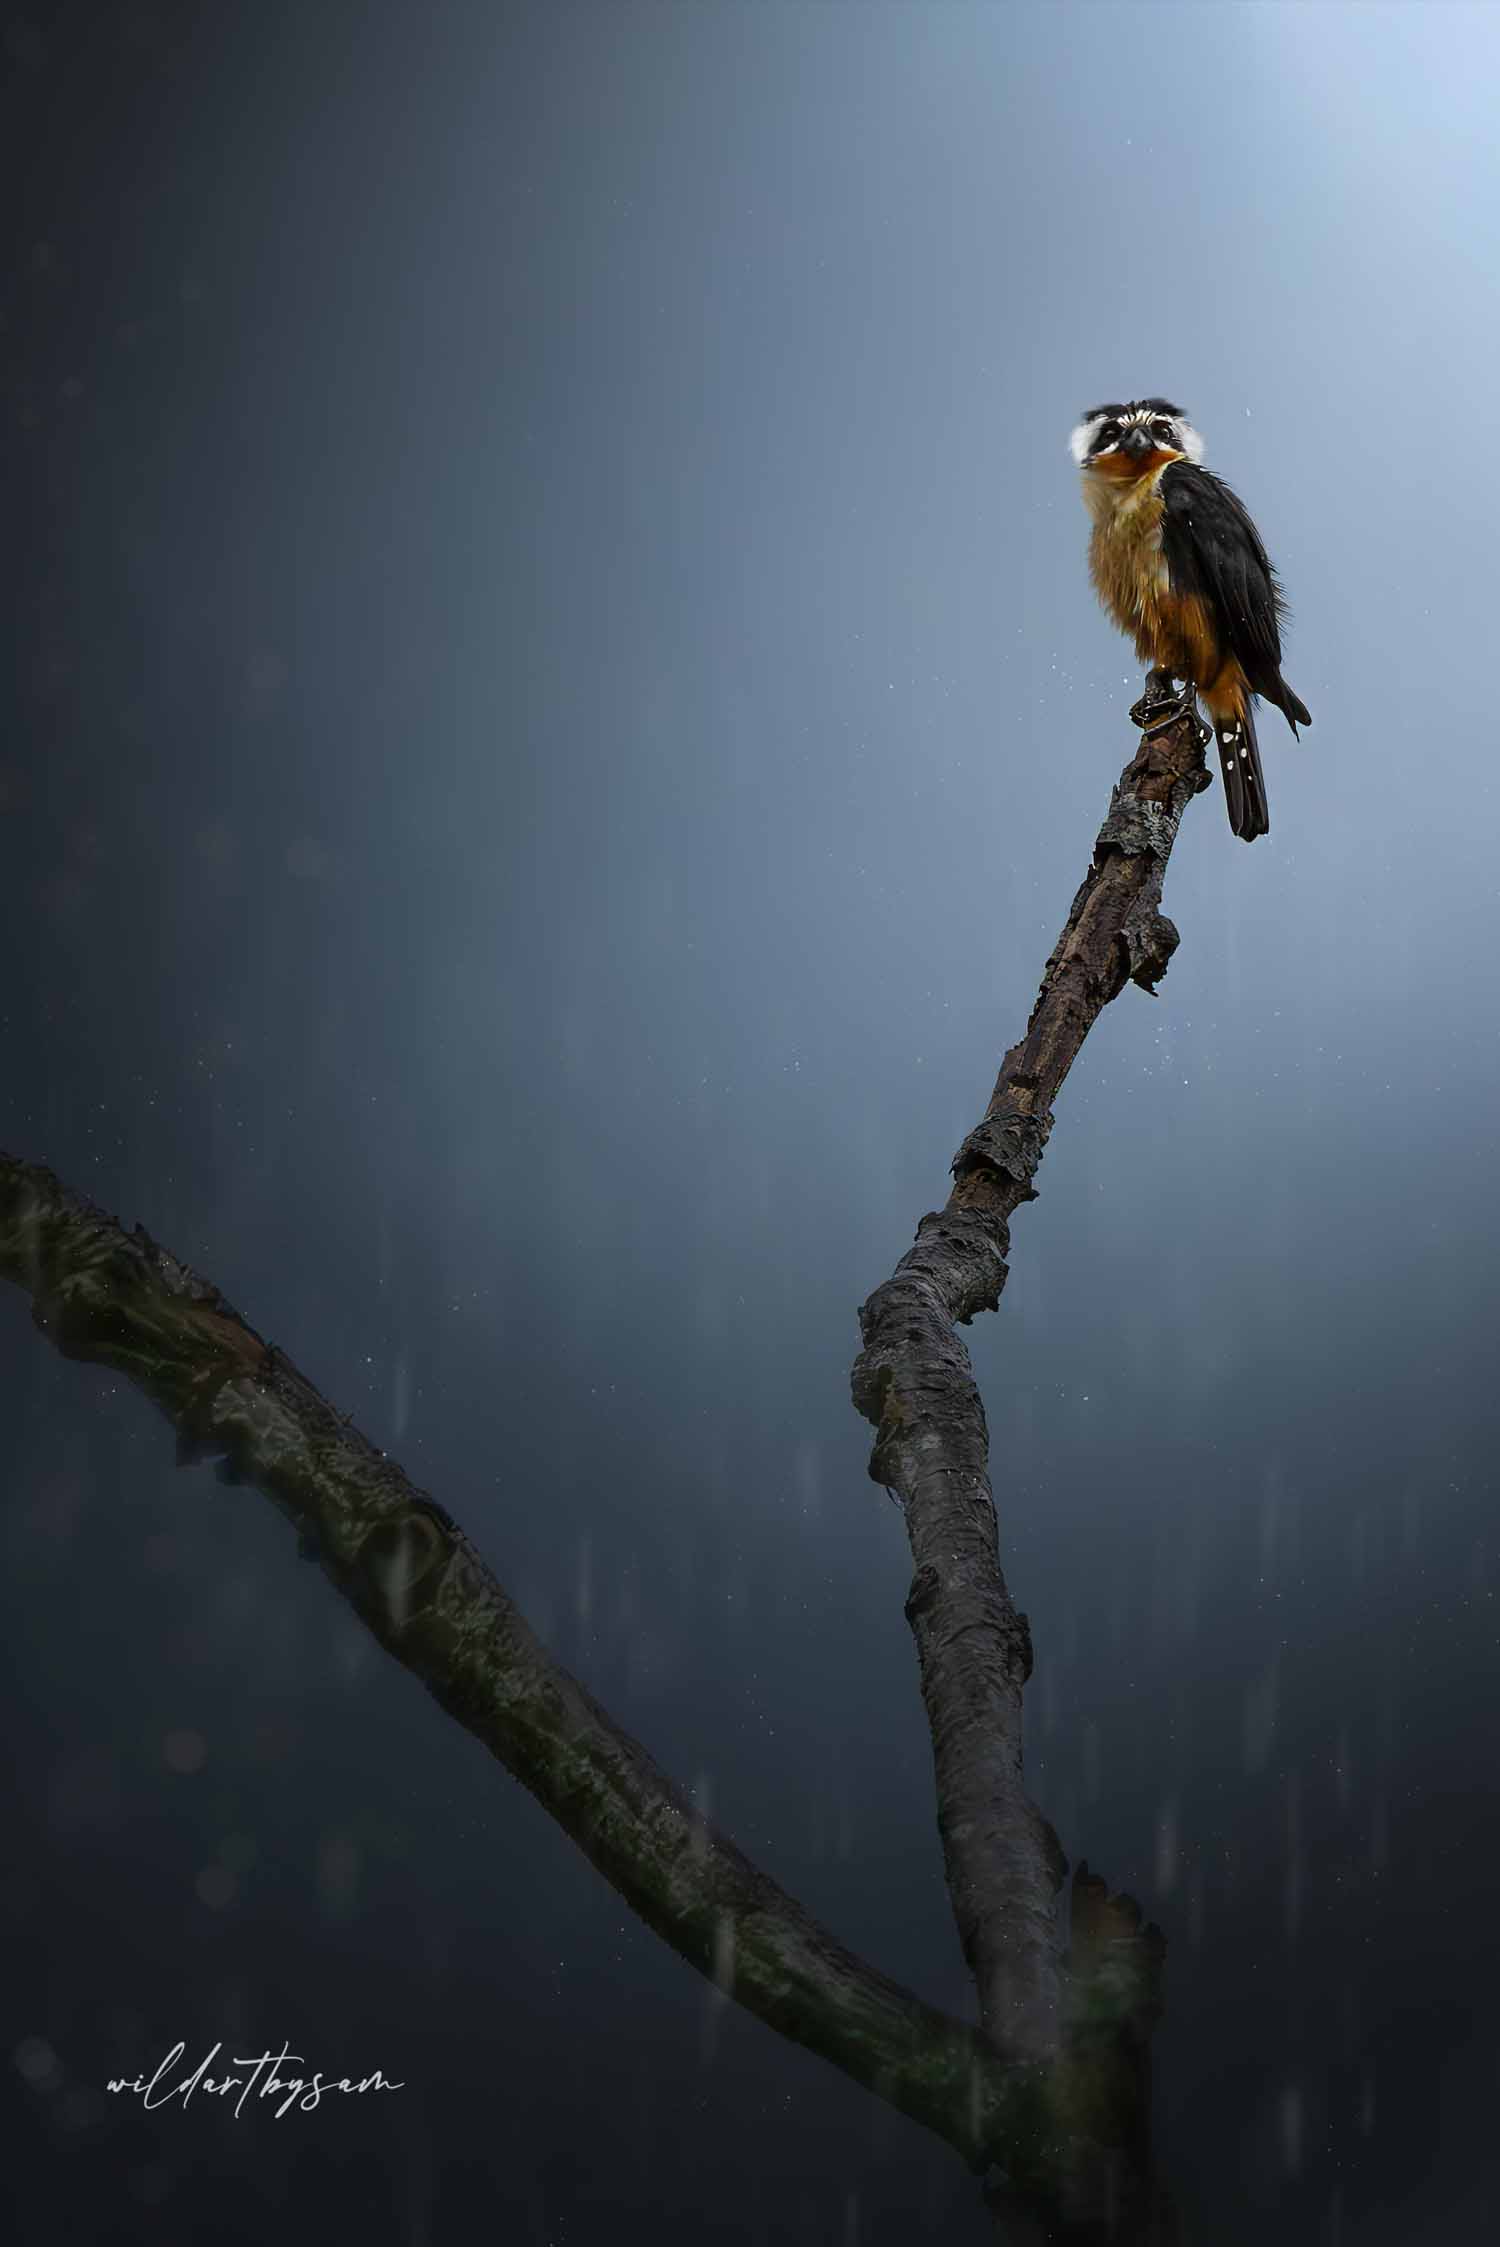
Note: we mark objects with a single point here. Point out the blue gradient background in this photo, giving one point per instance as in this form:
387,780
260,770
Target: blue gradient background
553,713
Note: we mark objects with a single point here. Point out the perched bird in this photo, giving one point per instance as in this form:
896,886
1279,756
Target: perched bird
1180,566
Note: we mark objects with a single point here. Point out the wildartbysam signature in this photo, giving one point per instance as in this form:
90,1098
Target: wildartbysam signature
264,2080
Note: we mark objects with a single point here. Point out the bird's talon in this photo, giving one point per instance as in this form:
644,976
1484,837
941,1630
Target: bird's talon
1161,705
1151,718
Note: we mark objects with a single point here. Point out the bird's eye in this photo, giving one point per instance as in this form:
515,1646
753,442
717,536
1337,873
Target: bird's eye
1162,429
1108,433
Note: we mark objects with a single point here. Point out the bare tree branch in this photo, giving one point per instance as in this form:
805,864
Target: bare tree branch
1051,2094
913,1379
399,1558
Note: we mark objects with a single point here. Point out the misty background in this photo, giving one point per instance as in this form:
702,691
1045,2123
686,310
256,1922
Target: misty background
553,714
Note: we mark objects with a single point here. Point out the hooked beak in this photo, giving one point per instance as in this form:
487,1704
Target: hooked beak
1137,443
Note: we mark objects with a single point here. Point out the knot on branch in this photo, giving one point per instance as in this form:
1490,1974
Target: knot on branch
926,1587
880,1402
954,1267
1140,827
913,1373
1147,941
1116,1961
1009,1142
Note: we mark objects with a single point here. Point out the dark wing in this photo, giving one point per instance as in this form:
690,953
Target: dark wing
1213,549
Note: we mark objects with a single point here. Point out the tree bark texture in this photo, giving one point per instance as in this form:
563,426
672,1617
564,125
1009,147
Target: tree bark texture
914,1381
399,1558
1049,2097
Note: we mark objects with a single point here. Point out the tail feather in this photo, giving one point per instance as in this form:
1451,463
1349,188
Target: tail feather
1244,780
1292,706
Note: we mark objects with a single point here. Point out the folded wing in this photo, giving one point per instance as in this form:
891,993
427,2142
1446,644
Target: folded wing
1213,549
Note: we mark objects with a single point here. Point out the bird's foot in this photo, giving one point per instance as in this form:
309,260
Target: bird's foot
1161,706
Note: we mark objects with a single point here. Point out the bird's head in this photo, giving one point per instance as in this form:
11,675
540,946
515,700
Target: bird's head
1123,442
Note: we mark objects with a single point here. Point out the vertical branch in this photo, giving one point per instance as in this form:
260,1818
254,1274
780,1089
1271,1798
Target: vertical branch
914,1381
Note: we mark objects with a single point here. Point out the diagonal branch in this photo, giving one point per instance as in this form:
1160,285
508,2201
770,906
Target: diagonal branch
913,1379
399,1558
1050,2092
